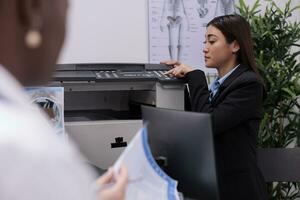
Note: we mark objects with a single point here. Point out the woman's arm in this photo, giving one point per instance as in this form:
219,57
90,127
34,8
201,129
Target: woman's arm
243,100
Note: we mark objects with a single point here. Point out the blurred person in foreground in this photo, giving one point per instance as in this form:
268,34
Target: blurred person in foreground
35,163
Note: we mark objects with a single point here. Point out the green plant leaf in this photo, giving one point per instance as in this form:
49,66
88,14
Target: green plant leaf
276,46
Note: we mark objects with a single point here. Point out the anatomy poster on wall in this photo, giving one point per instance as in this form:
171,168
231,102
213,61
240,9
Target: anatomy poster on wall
177,29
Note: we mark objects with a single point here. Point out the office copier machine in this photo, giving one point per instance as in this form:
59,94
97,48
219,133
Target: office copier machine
102,104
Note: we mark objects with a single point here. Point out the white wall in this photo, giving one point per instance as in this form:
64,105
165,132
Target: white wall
112,31
106,31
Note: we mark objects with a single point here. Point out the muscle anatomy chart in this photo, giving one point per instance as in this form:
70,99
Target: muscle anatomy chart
177,28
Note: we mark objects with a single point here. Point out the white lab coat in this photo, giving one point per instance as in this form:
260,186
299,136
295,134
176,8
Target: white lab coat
35,164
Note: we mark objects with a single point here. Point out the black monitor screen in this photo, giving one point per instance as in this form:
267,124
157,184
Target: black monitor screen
183,142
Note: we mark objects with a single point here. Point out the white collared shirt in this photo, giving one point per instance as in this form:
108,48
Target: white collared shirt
214,86
35,163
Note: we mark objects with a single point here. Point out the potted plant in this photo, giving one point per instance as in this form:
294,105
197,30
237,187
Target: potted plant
276,44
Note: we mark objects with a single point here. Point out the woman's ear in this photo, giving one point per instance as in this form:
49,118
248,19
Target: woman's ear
30,17
235,47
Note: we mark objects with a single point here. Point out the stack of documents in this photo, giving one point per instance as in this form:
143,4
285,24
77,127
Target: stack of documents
146,178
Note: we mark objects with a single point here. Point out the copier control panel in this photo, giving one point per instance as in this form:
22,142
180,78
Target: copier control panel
114,73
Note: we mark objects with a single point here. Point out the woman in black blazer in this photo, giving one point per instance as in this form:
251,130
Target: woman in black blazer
234,100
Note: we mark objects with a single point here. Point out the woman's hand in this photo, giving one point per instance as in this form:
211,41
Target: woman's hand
178,70
117,190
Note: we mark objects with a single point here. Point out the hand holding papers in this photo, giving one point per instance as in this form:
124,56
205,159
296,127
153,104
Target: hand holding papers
146,179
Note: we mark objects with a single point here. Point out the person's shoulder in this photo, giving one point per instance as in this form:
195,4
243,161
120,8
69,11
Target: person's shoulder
26,130
29,147
195,75
249,76
15,118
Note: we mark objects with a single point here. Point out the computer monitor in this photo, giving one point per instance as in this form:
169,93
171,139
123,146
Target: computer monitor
184,141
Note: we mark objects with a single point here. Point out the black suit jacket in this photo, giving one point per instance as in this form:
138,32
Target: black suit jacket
236,111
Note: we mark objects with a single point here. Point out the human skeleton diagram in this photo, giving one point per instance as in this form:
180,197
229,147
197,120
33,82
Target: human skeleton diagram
202,10
175,20
225,7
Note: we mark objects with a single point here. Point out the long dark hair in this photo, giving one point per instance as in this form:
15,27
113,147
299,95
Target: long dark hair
235,27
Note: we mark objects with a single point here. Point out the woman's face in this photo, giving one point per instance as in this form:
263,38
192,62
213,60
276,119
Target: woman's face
217,52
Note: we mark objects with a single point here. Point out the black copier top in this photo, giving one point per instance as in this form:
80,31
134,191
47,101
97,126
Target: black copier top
113,72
